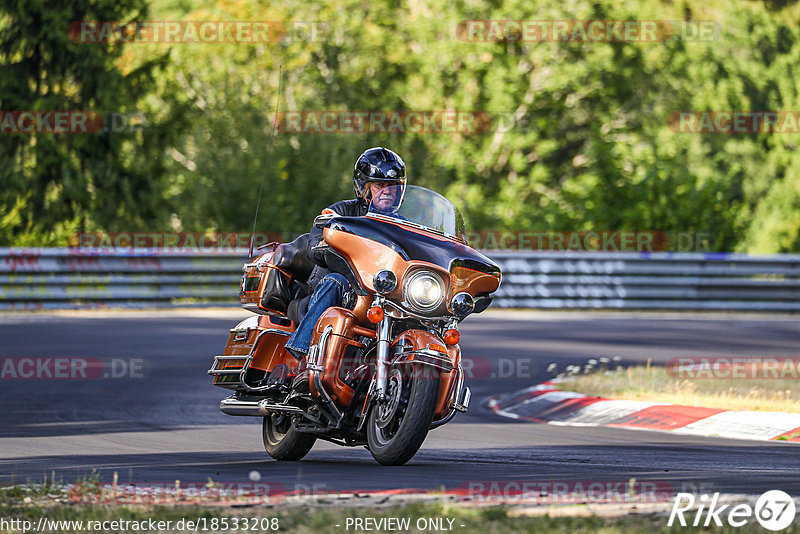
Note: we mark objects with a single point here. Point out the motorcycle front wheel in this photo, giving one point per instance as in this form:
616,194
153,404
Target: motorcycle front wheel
397,428
282,441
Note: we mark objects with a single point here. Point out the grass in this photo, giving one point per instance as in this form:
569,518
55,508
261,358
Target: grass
307,520
30,502
655,384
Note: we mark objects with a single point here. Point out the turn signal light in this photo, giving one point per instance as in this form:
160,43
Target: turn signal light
451,336
375,314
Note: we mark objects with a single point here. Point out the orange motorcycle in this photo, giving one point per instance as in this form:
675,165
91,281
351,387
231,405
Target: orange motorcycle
383,369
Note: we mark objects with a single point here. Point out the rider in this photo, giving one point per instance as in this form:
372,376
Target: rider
379,179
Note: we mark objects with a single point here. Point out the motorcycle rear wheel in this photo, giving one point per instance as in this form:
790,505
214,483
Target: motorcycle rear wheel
396,431
282,441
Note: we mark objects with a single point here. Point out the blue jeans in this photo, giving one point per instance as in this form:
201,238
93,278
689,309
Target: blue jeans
329,292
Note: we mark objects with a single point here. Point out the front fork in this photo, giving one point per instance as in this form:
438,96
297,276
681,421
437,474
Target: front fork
382,361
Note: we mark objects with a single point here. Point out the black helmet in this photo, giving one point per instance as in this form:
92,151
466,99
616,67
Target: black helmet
378,165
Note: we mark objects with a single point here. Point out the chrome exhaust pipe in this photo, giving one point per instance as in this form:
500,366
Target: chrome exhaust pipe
233,406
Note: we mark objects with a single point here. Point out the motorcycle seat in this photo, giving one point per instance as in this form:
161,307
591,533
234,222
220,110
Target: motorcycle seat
291,257
297,309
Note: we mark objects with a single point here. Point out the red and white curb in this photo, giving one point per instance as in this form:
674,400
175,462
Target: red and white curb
544,403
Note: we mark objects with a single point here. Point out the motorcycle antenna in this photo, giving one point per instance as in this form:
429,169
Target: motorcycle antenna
266,162
369,120
371,111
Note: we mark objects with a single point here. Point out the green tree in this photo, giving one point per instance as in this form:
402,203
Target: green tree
109,181
590,146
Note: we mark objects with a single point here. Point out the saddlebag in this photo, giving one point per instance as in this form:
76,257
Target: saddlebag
254,349
265,288
271,281
276,294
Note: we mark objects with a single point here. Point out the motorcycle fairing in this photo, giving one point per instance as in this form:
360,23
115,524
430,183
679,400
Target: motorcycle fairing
364,257
416,244
362,245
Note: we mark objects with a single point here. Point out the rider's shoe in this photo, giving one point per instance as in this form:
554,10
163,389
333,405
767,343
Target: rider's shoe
300,382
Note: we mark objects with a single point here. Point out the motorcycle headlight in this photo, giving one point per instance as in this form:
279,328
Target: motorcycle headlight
424,291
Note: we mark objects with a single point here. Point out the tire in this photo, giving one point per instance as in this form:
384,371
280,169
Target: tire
420,394
282,441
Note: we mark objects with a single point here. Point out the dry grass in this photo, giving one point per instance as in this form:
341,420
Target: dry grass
652,383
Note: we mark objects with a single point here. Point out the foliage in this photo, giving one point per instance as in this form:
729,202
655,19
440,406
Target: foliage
94,180
590,147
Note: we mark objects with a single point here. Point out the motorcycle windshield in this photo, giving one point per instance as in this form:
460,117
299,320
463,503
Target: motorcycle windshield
418,207
415,225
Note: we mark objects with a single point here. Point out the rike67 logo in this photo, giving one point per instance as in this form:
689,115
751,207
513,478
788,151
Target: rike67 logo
774,510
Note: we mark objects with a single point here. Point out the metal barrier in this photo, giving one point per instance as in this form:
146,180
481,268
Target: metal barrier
132,278
662,280
96,278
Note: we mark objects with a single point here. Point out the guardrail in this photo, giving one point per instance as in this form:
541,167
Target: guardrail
97,278
133,278
661,280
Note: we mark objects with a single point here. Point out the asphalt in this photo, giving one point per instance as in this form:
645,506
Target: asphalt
160,422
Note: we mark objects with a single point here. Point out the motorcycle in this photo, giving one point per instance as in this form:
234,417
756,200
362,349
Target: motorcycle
384,368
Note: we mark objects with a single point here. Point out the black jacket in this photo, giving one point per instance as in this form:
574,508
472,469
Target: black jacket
352,208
